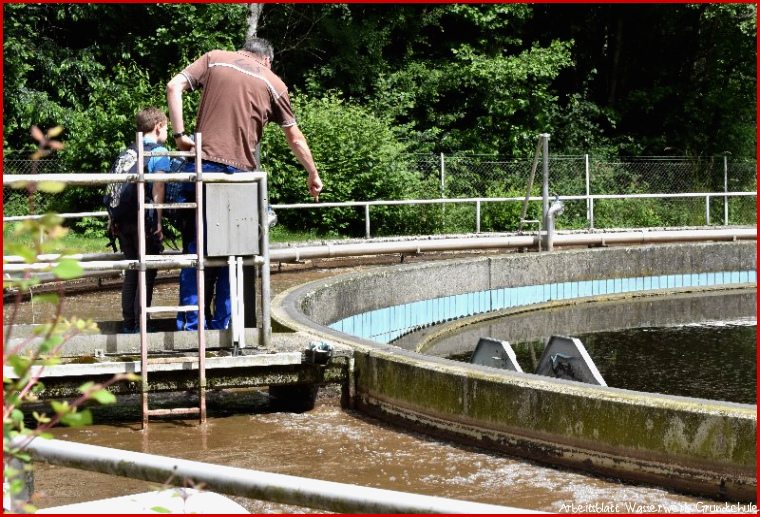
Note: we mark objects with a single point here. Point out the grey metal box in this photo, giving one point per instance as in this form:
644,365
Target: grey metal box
232,219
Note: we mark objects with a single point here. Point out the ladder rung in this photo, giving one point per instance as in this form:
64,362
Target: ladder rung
174,411
169,153
171,205
171,308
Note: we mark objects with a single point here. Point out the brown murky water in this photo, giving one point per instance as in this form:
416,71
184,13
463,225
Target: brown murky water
333,444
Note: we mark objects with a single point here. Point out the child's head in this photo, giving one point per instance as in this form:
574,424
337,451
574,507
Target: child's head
150,120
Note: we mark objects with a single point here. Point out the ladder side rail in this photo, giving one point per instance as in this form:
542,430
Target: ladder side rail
141,275
200,275
266,321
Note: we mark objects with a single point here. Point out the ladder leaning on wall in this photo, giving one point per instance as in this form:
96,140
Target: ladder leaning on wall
146,262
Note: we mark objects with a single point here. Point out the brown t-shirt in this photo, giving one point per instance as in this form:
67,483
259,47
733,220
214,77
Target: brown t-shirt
240,96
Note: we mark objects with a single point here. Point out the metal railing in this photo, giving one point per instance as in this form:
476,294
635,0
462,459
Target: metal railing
479,201
96,179
659,185
265,486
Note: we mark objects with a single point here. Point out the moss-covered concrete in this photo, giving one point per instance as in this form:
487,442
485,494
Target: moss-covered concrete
335,372
698,446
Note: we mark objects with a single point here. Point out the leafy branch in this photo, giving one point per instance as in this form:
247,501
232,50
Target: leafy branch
28,358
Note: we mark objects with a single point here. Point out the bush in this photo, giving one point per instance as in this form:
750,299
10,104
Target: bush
360,157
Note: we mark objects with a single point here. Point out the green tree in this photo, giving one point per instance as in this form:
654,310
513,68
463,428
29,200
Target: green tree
656,78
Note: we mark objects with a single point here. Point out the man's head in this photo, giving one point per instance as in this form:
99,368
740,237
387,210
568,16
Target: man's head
152,120
260,47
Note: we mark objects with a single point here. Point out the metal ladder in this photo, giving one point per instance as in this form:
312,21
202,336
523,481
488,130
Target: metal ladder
156,260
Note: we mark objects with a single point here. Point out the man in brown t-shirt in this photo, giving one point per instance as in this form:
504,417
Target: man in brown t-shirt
241,95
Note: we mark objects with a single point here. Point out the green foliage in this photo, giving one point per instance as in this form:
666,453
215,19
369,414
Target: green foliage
464,77
359,157
28,241
505,215
453,78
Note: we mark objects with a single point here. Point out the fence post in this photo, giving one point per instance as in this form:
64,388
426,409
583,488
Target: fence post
477,216
443,176
707,210
588,193
725,189
443,192
545,137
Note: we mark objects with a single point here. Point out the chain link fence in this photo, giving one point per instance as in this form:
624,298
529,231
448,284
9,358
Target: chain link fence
18,202
489,177
478,176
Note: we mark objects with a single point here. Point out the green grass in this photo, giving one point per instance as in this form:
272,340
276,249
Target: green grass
92,242
283,234
71,242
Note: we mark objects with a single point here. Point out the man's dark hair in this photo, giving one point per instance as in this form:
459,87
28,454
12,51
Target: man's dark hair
260,47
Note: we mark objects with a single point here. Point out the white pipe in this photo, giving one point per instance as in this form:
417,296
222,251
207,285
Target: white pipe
234,315
240,338
266,486
296,253
293,253
556,209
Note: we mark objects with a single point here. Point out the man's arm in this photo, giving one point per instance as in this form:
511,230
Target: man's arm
297,144
174,90
159,165
158,197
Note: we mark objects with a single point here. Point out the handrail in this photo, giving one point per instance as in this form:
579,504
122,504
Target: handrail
266,486
95,179
321,204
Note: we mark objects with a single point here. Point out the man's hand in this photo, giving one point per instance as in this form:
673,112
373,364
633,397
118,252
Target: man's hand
297,144
315,186
185,143
159,233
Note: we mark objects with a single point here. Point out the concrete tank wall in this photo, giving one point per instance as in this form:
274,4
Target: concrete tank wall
361,292
574,316
697,446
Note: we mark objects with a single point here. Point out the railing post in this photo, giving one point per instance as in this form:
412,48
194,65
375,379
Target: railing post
366,220
477,216
707,210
